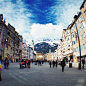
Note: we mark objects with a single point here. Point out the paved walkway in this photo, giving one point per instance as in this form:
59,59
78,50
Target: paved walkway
42,76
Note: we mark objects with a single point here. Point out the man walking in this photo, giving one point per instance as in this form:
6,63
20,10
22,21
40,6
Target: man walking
63,64
56,63
50,63
83,62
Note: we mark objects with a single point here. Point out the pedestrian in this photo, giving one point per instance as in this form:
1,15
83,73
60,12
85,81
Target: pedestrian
56,63
50,63
7,63
53,63
63,65
29,63
83,62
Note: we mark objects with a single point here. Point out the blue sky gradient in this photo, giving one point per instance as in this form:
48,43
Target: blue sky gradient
39,19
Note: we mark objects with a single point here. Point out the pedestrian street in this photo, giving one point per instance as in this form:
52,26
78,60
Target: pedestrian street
42,76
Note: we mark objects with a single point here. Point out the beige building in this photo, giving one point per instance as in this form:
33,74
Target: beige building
11,48
78,32
58,52
9,41
83,10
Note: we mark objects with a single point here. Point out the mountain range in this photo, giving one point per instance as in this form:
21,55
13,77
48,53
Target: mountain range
44,46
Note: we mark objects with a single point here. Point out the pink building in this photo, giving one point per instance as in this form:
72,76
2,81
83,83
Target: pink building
24,51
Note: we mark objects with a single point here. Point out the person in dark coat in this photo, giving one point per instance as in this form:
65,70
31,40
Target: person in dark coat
83,62
56,62
50,63
7,62
53,63
63,65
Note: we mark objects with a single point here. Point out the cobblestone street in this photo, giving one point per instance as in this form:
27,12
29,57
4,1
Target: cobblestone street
42,76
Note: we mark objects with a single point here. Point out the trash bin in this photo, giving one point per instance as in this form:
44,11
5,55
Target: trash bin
70,64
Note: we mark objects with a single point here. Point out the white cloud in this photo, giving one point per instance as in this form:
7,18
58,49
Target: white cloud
67,9
17,15
39,31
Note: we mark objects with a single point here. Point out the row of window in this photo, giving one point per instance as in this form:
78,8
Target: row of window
76,49
83,46
72,29
80,29
84,35
11,49
74,42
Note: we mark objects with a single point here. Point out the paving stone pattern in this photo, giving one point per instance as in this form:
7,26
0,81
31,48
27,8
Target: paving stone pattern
42,76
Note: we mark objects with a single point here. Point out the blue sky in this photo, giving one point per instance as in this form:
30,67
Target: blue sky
39,19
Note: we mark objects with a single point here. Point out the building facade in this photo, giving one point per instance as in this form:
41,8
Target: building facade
9,41
24,51
20,47
67,44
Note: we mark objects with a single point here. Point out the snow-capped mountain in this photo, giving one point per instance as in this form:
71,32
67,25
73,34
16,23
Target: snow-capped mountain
43,46
49,41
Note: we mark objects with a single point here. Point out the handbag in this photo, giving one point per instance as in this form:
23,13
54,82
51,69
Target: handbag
0,67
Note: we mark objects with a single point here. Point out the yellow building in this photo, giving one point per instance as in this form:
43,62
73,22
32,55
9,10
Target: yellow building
39,56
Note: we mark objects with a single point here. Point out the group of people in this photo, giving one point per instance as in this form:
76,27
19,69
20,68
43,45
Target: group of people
53,62
39,62
26,63
56,62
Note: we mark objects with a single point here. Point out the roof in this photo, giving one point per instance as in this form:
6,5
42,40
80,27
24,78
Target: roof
39,54
82,5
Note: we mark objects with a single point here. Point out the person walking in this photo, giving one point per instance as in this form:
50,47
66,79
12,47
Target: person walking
7,63
83,62
56,63
50,63
53,63
63,65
